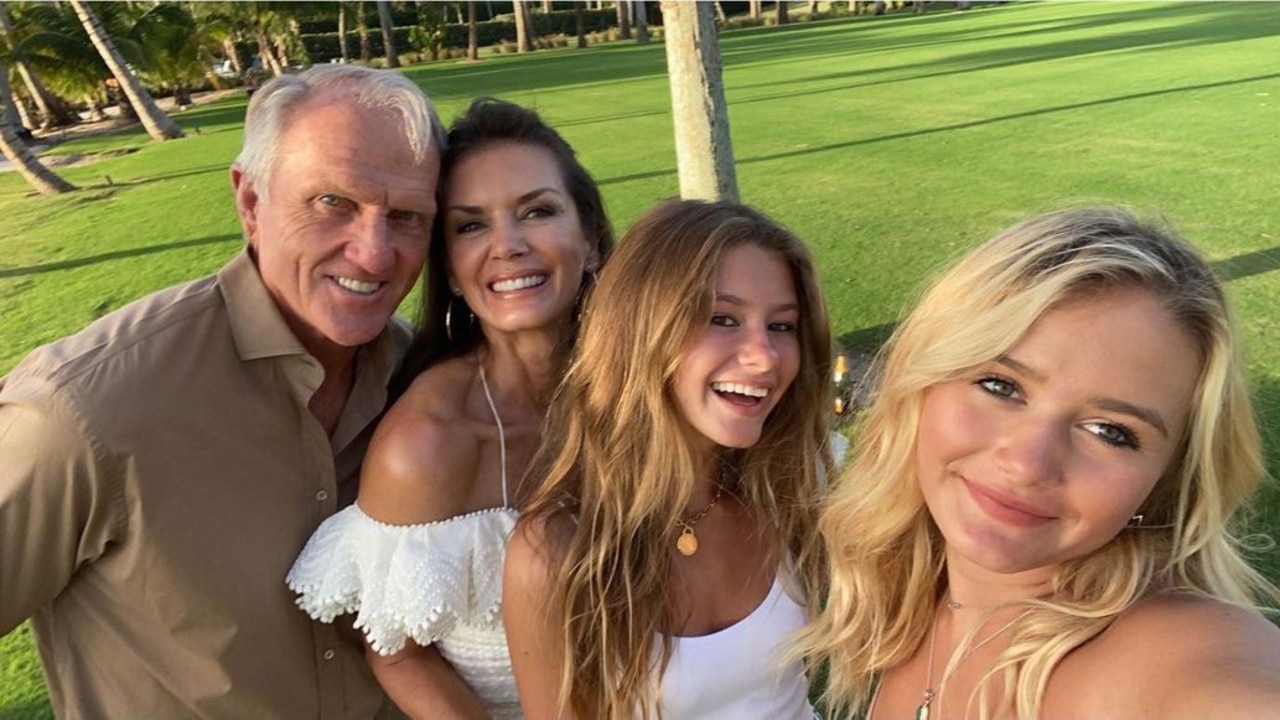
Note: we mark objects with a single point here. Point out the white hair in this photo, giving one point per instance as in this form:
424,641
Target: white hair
270,107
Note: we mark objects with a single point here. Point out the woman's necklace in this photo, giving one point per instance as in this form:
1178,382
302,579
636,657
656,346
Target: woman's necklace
687,543
931,691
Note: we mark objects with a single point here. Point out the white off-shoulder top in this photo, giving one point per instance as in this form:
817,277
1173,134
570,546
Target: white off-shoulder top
433,583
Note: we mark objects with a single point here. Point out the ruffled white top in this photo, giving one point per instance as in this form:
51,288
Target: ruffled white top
434,583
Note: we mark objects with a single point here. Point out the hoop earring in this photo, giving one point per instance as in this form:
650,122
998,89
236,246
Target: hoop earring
448,318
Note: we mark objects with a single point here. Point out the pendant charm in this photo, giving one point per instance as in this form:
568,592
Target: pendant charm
687,543
922,712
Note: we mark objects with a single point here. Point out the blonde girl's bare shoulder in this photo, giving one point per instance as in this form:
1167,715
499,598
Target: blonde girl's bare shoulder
424,456
1173,655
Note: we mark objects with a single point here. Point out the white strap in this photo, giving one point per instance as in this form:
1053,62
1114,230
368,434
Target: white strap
502,438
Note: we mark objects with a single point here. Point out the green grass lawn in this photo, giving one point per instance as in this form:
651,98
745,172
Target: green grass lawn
890,144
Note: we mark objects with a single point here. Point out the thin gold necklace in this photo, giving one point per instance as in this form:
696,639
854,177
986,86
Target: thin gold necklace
687,543
932,691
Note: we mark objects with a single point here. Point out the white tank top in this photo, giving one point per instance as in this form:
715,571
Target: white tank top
738,673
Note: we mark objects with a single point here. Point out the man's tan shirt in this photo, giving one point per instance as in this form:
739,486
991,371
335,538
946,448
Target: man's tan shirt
159,473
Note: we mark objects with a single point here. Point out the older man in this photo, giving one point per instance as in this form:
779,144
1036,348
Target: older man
160,470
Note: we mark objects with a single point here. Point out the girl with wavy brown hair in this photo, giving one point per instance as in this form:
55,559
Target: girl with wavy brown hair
669,552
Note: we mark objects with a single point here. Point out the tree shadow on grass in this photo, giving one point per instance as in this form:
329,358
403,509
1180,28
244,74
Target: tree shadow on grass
1254,263
27,710
214,117
816,149
1209,23
115,255
190,172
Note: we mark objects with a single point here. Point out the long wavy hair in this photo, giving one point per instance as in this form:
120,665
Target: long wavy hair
886,554
488,122
618,457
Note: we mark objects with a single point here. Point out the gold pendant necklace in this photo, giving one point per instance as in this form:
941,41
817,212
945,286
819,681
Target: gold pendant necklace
687,543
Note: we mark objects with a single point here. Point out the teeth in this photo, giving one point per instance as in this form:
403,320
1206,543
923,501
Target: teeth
740,389
364,288
519,283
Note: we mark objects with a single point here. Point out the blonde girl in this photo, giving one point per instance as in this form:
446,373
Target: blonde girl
1038,518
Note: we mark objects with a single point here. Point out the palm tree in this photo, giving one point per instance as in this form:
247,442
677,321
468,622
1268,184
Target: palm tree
175,50
342,32
388,34
581,24
624,19
52,110
704,150
158,125
362,28
54,43
642,21
20,156
473,41
523,31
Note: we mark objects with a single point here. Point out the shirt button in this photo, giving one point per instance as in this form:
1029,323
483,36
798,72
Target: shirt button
329,654
322,496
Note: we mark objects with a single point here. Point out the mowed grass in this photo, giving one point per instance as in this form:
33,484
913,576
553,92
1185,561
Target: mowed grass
890,144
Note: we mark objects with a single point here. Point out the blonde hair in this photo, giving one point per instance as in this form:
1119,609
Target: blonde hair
886,553
617,457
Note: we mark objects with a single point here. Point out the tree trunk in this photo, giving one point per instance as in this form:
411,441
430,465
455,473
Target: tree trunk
813,8
473,37
18,110
268,55
704,150
919,7
522,27
20,156
580,20
342,32
783,19
52,111
624,20
546,6
642,21
96,114
755,9
720,16
229,47
159,126
282,52
12,112
388,34
362,28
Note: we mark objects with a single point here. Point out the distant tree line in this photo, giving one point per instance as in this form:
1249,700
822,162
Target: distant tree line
322,45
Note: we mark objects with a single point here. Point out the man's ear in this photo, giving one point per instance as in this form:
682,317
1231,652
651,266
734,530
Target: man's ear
246,203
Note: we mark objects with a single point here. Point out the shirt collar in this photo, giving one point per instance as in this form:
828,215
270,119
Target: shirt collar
257,325
260,331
